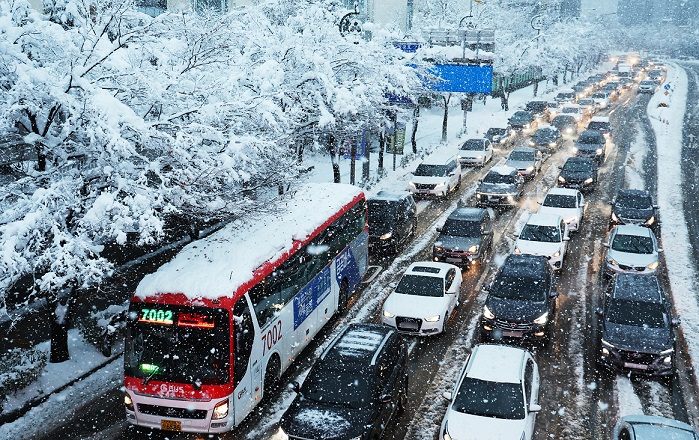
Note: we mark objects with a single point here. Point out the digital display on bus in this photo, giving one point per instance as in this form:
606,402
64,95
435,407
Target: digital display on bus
184,319
156,316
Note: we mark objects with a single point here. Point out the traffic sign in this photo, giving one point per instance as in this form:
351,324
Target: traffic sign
667,86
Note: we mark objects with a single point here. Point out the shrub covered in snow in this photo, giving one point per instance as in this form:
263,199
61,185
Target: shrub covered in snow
19,368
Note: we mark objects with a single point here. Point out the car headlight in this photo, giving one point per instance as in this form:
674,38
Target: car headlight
575,150
532,143
552,144
588,181
473,249
599,151
614,217
411,184
388,314
438,249
557,254
612,262
561,179
478,196
487,314
651,221
653,265
220,410
569,130
433,318
128,403
510,198
479,157
530,169
440,185
666,352
541,320
386,236
517,250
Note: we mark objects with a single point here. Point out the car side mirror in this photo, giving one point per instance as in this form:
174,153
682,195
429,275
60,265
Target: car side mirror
605,245
447,395
392,285
386,398
534,407
676,321
566,238
295,387
660,250
599,311
656,207
439,229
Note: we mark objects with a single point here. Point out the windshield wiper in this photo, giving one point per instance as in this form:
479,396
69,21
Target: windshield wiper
150,376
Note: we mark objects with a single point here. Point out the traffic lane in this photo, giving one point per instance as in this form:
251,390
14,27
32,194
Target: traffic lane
690,166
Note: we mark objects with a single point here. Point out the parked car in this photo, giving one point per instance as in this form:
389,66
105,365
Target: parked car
547,138
540,109
498,136
392,220
642,427
424,299
634,207
476,151
354,389
496,396
466,237
568,203
521,301
522,121
566,124
601,124
592,144
601,98
526,160
436,176
636,327
502,186
566,95
647,86
578,173
544,234
631,248
573,109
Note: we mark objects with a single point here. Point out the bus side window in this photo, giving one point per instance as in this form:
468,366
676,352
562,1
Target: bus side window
266,302
243,338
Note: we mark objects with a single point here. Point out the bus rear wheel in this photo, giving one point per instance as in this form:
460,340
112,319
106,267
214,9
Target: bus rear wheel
344,296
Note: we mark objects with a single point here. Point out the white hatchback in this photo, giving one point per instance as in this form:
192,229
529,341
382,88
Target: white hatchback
496,396
631,249
424,299
544,234
568,203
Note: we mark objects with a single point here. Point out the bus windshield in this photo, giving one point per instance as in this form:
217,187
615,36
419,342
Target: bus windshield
178,344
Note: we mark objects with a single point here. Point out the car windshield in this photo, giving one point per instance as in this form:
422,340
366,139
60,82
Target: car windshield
636,313
462,228
656,430
586,102
545,134
520,116
599,95
638,201
577,166
500,400
338,386
523,156
536,106
381,211
648,83
570,110
499,178
432,170
563,120
518,287
546,234
596,125
421,286
496,131
633,244
590,139
473,145
559,201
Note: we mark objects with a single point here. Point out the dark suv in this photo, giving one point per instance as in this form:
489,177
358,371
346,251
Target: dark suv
578,173
354,389
634,207
465,238
392,220
636,327
539,108
592,144
521,300
522,120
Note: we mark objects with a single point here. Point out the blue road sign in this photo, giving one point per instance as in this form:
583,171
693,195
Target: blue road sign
465,78
667,86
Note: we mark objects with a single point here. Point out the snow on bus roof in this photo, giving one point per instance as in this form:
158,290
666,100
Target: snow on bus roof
216,266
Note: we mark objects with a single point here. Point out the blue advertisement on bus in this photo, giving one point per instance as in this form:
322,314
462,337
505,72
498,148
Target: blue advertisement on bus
306,301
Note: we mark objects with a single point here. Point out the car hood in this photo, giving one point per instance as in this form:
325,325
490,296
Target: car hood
641,215
497,188
633,338
456,243
543,140
470,427
429,179
413,306
313,420
380,228
516,310
519,164
565,213
630,259
589,147
538,247
575,175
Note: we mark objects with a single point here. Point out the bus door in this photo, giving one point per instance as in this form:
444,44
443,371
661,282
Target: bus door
243,342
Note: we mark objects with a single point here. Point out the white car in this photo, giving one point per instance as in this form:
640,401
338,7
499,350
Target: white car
602,99
436,175
496,396
631,249
476,152
544,234
568,203
573,109
424,299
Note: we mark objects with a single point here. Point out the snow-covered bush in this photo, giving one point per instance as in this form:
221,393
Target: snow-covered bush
18,368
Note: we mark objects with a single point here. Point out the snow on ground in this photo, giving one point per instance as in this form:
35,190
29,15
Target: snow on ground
634,172
629,403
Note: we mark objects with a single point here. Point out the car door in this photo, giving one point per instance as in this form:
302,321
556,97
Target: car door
565,235
451,292
389,383
531,391
581,206
406,223
488,151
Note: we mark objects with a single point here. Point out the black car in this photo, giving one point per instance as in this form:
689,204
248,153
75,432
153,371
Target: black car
354,389
592,144
498,135
547,139
566,124
466,237
502,186
521,300
540,108
636,326
634,207
392,220
522,120
578,173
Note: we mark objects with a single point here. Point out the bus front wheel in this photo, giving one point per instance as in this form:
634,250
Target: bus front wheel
272,375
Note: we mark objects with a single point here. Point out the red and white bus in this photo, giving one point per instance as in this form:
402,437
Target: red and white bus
211,329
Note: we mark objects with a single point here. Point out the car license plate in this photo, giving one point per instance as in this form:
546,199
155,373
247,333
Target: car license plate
510,334
453,260
408,326
635,366
171,425
423,191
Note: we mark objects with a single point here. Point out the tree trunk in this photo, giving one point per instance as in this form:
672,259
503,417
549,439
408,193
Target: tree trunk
61,311
446,115
40,157
332,149
382,144
416,116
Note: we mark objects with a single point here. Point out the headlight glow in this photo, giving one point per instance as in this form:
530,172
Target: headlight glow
557,254
599,151
668,351
386,236
588,181
614,217
653,265
532,143
221,410
433,318
388,314
541,320
411,184
517,250
487,314
651,221
552,144
575,150
612,262
530,169
473,249
561,179
128,403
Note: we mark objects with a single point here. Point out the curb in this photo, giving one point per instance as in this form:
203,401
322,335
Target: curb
20,412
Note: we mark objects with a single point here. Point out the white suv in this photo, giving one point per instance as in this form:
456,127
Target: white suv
631,249
568,203
437,176
544,234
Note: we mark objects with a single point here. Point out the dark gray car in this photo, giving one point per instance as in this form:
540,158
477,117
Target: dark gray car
578,173
502,186
547,139
522,120
466,237
634,207
636,327
392,220
592,144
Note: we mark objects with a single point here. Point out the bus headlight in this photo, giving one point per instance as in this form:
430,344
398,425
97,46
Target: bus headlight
220,410
128,403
